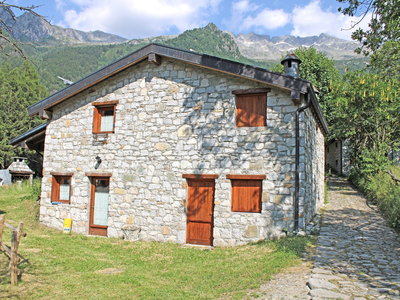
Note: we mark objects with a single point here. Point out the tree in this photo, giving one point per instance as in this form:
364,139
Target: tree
384,24
320,70
367,112
385,61
7,39
19,88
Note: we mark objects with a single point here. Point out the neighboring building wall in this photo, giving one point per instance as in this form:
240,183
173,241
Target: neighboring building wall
394,156
312,168
333,154
171,120
346,151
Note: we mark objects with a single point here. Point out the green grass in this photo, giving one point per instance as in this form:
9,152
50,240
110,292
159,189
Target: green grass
395,170
61,266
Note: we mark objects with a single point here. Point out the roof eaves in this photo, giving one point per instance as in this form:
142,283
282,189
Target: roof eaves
26,135
318,111
204,60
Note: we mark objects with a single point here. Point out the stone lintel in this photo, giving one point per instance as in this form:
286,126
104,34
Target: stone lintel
251,91
105,103
251,177
200,176
61,173
95,174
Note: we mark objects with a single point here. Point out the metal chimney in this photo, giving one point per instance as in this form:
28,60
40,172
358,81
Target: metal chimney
291,64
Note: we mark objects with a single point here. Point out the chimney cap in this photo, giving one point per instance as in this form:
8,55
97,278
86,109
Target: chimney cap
291,56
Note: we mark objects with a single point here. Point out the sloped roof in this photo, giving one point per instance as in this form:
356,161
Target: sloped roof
297,86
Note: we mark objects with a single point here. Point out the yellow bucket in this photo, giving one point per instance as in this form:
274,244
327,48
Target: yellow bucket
67,225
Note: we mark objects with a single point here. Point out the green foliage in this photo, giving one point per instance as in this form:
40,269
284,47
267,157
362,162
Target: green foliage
212,41
367,112
321,71
19,88
381,189
76,62
384,24
346,65
385,61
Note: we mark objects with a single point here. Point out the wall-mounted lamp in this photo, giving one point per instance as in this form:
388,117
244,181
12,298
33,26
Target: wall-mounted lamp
98,161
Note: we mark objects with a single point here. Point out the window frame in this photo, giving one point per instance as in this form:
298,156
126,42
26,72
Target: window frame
255,205
251,102
99,109
55,187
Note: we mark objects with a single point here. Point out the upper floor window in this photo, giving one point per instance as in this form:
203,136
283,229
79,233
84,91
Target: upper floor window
251,107
104,116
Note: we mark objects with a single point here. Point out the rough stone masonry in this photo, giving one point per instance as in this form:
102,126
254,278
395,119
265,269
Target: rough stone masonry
176,119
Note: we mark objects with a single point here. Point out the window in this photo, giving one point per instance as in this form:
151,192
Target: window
251,107
104,116
61,188
246,192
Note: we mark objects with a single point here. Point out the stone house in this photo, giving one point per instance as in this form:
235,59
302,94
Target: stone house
182,147
337,157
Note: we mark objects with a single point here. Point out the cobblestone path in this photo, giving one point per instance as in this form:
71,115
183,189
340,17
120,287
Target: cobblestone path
358,255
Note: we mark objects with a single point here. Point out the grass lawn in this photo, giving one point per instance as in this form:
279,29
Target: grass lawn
62,266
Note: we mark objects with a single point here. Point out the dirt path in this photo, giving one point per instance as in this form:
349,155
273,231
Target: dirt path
357,257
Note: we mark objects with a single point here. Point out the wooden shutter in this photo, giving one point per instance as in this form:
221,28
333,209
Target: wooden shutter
54,190
96,120
251,110
246,195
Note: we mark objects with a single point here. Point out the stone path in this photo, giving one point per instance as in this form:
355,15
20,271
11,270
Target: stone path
358,255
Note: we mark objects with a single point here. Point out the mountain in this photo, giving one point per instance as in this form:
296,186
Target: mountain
30,28
73,54
263,47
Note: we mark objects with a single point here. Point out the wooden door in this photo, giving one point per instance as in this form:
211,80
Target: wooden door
200,210
99,206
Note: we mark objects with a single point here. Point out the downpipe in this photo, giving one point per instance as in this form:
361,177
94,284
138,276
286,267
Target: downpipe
297,163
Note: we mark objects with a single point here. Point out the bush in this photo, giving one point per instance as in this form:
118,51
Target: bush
382,190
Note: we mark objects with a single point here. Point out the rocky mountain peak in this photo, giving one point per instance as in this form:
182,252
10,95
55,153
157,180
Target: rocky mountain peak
31,28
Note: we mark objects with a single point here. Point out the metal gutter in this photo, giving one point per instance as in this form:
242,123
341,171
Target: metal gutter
26,135
297,163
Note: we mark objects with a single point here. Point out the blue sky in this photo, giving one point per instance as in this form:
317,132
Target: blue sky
145,18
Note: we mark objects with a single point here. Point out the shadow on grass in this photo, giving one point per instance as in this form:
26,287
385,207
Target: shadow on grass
301,246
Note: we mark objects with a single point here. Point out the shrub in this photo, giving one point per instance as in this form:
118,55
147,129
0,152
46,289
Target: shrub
381,189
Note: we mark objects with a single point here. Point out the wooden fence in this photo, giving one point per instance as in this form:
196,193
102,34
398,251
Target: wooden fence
12,252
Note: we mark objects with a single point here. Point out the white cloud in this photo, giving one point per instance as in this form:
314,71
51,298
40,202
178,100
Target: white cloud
313,20
247,15
137,18
267,19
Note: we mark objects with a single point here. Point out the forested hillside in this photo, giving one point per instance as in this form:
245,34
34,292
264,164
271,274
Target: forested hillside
76,61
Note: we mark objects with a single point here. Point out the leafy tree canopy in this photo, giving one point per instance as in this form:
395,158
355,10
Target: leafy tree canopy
367,112
19,88
384,24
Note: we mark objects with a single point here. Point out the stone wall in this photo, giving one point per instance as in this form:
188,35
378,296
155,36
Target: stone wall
312,168
173,119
